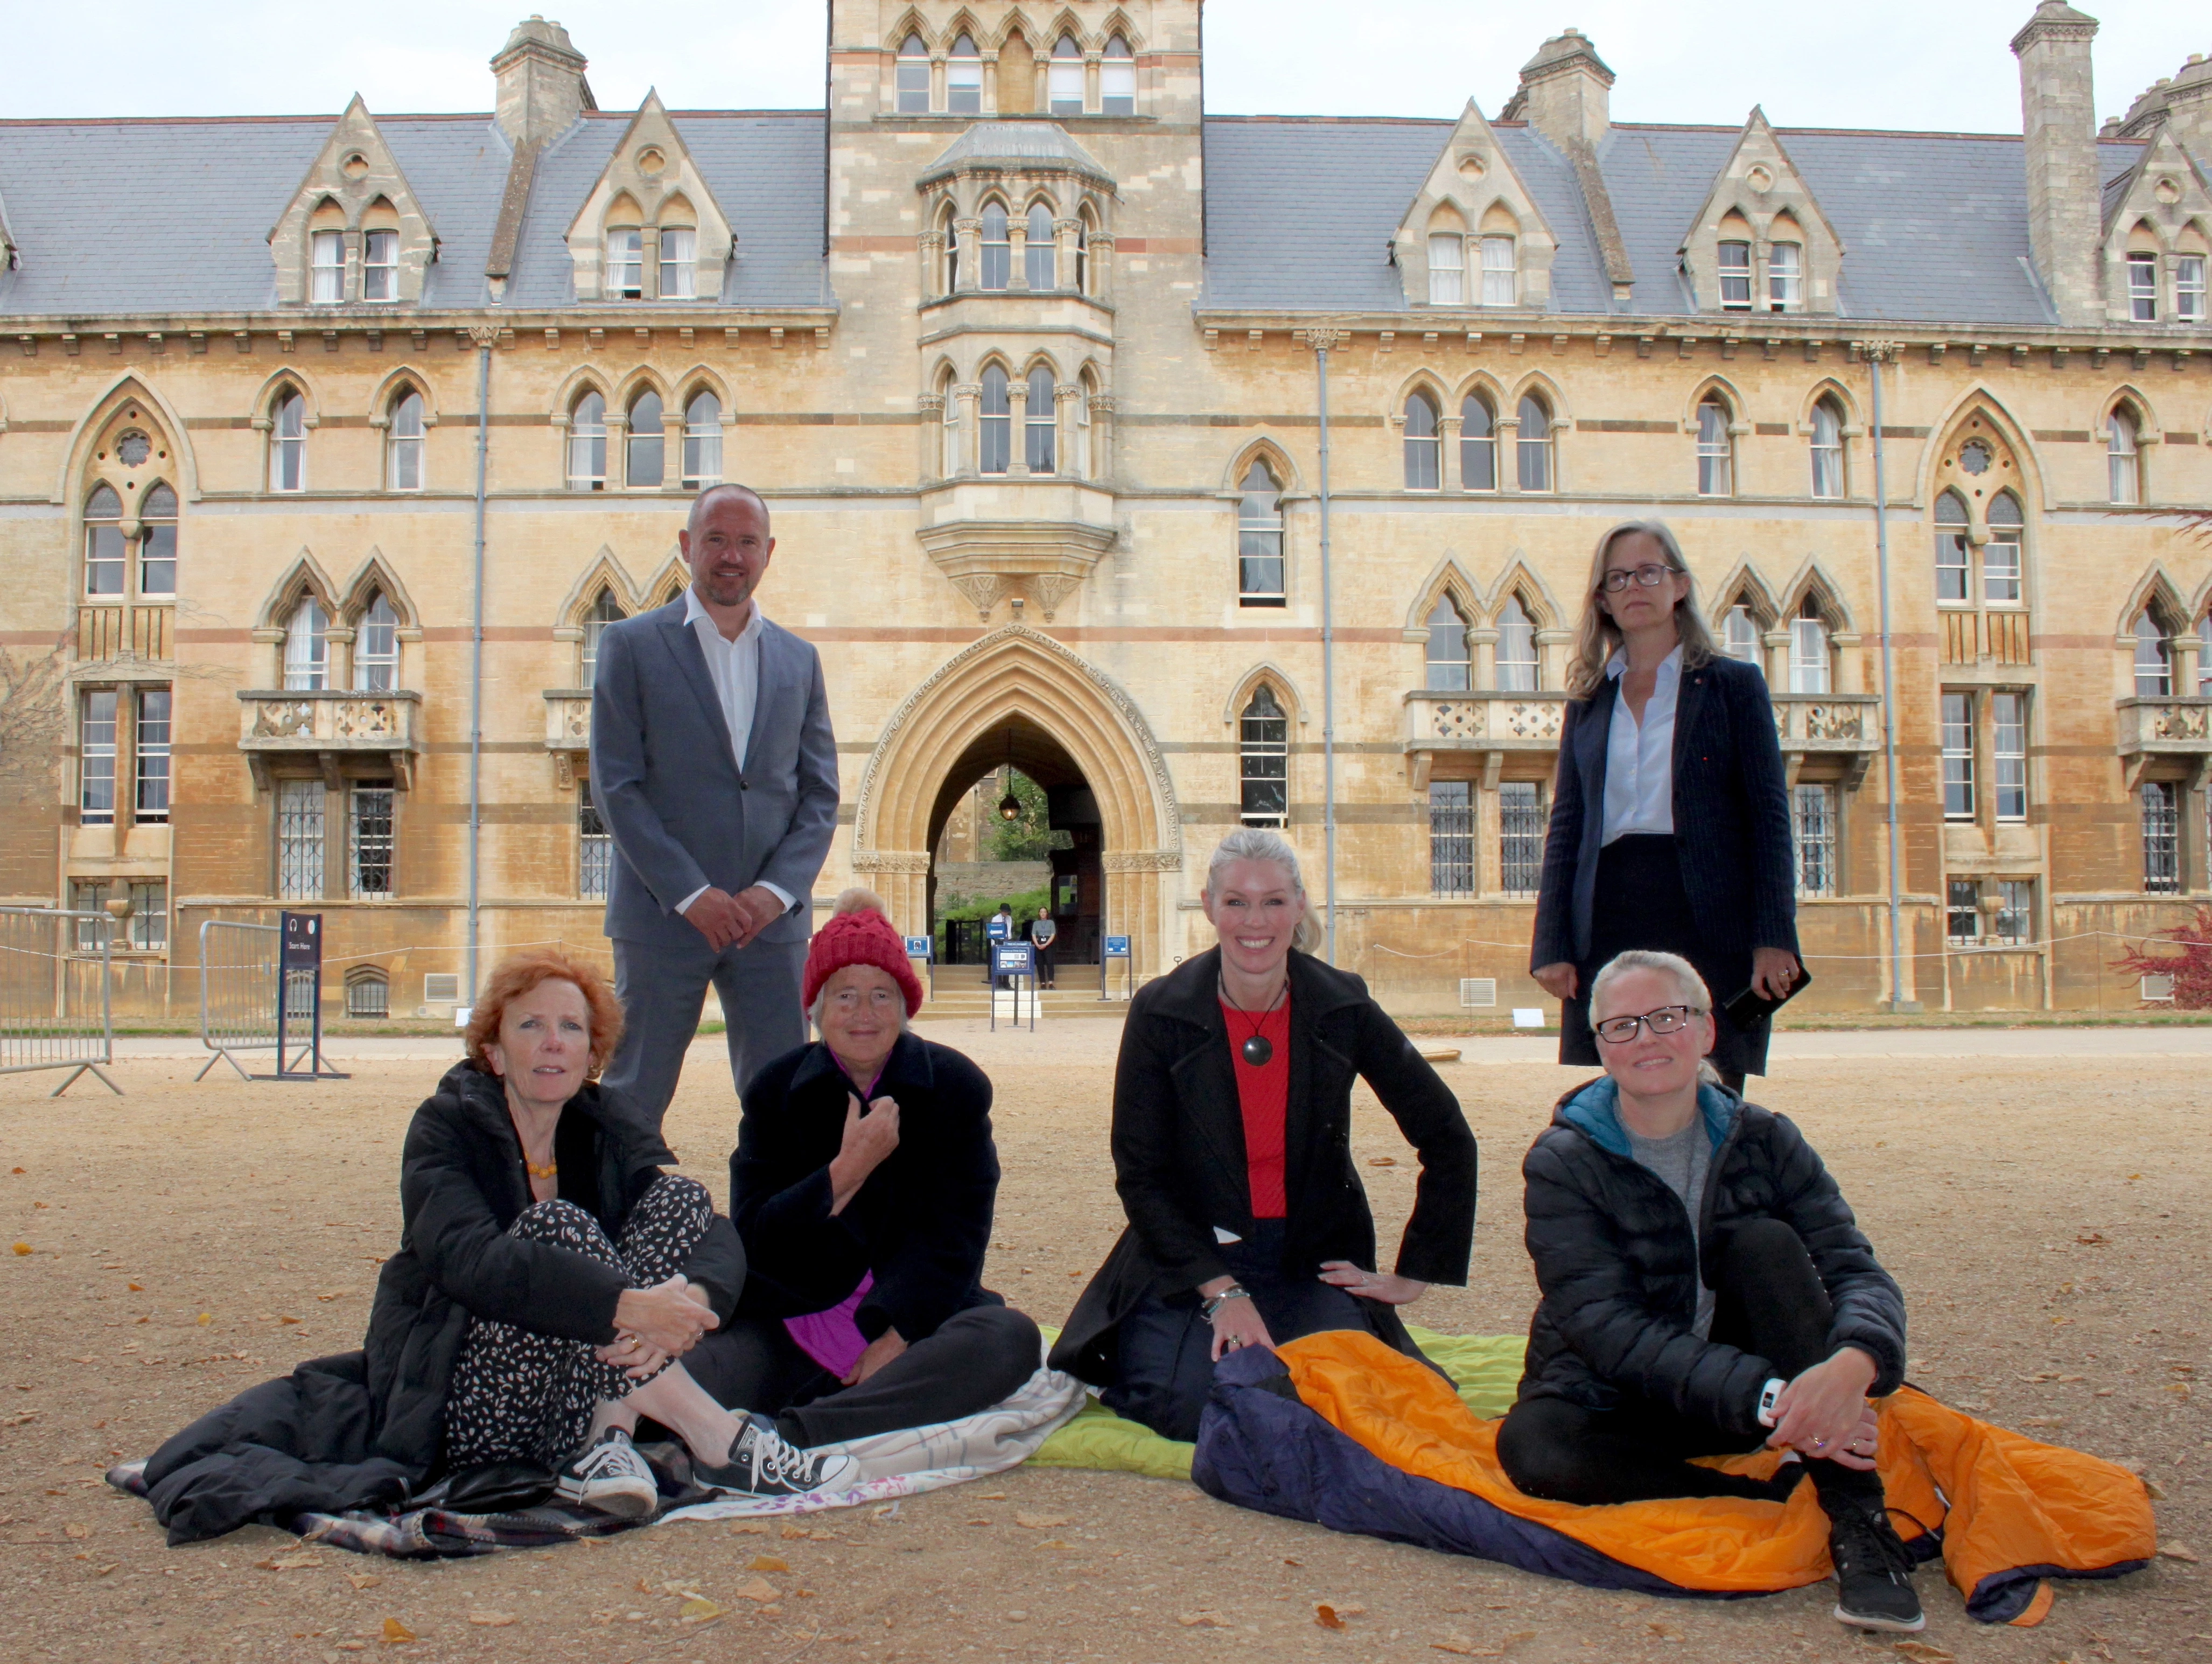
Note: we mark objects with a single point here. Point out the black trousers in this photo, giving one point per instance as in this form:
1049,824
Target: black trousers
1770,1303
976,1358
1640,903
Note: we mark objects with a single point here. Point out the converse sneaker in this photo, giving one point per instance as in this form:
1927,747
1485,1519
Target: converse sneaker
762,1465
611,1478
1874,1571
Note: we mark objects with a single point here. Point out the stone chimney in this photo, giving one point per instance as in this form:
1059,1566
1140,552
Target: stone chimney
1565,91
2059,121
2182,104
541,82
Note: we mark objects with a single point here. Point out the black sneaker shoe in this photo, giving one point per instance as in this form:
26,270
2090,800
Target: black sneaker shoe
762,1465
1874,1572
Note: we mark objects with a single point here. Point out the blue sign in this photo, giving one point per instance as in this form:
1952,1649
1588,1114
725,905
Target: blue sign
996,926
1117,947
1013,959
918,947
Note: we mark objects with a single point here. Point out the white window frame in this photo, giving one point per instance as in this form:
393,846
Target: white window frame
376,647
1117,79
1827,449
2008,755
1535,447
1063,79
1501,272
2142,287
1735,278
2123,456
625,263
107,569
1517,670
588,445
98,753
679,262
605,610
371,841
326,268
1716,449
1424,453
1041,428
2153,660
1479,446
1000,424
702,440
911,77
963,79
1001,247
1809,666
151,729
1451,670
2188,288
406,447
1786,277
1813,827
379,265
152,523
1446,268
288,443
637,475
1040,258
1954,555
1955,718
1262,759
307,648
1740,635
1260,540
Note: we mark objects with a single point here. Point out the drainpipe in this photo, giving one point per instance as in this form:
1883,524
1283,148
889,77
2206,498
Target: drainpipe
484,337
1877,352
1321,340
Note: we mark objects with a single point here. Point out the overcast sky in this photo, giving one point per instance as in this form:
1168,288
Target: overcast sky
1907,63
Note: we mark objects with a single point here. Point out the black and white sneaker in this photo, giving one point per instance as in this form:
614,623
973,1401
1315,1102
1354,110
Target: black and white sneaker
1874,1572
611,1478
762,1465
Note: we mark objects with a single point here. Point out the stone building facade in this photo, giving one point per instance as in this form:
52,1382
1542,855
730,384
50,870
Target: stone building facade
1021,347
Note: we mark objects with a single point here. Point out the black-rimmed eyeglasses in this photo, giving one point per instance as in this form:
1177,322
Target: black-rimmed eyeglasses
1651,575
1666,1020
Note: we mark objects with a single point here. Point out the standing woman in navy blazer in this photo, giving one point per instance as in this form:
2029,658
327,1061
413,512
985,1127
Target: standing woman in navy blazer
1670,813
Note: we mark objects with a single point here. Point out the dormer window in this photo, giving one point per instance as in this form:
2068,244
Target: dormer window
1040,254
2142,287
326,268
963,79
679,263
379,265
1735,277
997,248
913,76
2188,288
1786,277
288,442
1447,270
625,263
1117,79
1065,82
405,470
1499,284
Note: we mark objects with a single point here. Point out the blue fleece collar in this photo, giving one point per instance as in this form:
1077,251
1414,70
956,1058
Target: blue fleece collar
1594,1112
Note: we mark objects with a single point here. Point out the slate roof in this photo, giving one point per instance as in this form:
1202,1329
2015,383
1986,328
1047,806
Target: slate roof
1015,144
139,217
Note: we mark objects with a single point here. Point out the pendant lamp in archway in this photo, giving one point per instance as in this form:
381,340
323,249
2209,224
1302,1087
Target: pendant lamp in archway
1010,806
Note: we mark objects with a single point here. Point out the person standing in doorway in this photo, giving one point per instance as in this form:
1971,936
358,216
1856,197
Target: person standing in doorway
1670,813
714,767
1042,931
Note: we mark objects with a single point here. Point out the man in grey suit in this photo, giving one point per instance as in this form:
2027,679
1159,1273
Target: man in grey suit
714,767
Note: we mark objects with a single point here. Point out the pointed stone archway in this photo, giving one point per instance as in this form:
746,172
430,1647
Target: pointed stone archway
1019,678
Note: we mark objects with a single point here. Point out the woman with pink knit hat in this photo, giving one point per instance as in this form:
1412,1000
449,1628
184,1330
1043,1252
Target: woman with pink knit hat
863,1185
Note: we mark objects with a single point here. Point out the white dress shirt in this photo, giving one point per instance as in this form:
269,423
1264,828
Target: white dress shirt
734,668
1640,757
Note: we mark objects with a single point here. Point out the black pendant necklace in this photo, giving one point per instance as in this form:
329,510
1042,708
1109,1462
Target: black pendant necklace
1258,1050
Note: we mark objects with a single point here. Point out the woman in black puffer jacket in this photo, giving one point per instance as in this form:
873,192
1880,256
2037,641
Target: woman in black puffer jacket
1705,1290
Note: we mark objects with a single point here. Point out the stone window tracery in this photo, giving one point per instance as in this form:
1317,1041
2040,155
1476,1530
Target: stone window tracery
587,443
404,460
913,76
963,79
1065,85
702,439
1423,448
1477,444
1260,566
1117,79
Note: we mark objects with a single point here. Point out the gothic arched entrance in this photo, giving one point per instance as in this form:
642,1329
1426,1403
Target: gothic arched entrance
1069,724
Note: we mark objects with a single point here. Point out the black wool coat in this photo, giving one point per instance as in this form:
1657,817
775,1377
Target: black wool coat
1618,1261
920,1222
1179,1156
1731,805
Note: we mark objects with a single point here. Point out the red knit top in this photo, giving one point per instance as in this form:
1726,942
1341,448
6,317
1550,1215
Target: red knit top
1264,1096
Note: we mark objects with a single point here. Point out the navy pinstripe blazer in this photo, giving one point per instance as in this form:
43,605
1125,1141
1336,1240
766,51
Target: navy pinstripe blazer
1731,818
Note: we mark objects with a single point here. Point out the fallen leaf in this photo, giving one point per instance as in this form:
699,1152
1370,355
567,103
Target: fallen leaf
767,1563
2090,1239
992,1496
395,1633
18,1170
492,1620
1325,1615
363,1580
1041,1522
25,1248
790,1534
740,1530
759,1590
2153,1490
1664,1632
206,1318
1458,1649
1205,1620
287,1319
335,1294
297,1561
698,1610
1927,1651
2177,1552
135,1288
77,1531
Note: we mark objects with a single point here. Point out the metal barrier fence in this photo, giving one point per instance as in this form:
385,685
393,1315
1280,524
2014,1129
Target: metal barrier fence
57,1010
238,971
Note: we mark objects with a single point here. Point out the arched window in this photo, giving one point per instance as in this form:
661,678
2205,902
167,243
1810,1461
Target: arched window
1716,450
1066,82
913,76
1808,650
1079,462
327,267
950,234
2000,565
288,442
157,541
1517,647
379,255
2204,657
1535,445
605,610
2153,660
104,553
1739,635
368,993
1450,660
2123,460
625,260
1041,424
1424,457
998,249
1263,757
998,424
1082,256
376,648
679,262
702,439
645,462
1500,275
1952,550
587,444
1041,258
404,470
963,79
1117,79
949,425
1478,445
1446,268
308,646
1260,538
1827,449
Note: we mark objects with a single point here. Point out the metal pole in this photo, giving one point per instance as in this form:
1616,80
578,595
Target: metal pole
1876,353
1322,340
484,338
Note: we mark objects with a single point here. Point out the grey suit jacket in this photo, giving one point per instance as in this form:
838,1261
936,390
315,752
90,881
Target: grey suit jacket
668,786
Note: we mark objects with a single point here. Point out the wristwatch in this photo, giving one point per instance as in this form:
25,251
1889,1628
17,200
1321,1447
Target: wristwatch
1769,1395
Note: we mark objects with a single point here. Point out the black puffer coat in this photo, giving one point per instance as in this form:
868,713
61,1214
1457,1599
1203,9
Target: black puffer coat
1617,1262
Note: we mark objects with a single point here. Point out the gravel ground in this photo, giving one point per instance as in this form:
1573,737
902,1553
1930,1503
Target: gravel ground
2043,1213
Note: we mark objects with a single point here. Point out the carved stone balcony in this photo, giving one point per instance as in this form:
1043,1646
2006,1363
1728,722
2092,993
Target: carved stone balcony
1490,724
1032,540
332,726
568,733
2156,728
1829,724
